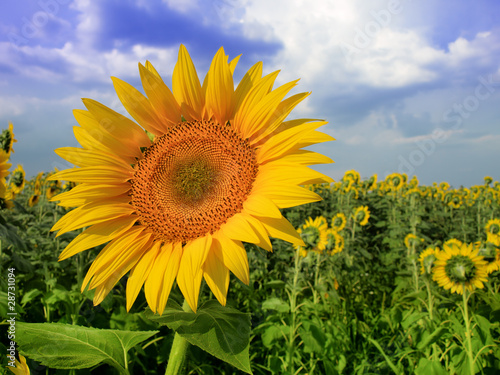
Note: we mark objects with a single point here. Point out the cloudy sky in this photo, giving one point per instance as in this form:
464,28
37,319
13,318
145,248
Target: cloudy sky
407,86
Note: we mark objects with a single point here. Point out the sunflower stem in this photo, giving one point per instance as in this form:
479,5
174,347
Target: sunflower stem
178,351
293,312
468,337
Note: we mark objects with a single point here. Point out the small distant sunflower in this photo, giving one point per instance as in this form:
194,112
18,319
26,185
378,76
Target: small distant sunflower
361,215
444,186
412,240
488,180
414,182
338,222
352,175
313,233
176,205
459,267
427,258
7,139
33,200
494,239
53,188
335,241
493,227
17,180
21,366
372,182
395,181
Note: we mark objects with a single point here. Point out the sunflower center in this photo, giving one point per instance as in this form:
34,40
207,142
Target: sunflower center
460,269
192,180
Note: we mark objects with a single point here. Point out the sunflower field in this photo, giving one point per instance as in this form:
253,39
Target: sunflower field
360,276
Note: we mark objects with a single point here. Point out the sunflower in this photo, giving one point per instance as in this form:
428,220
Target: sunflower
453,241
458,267
361,215
371,183
313,233
491,253
352,175
412,240
53,188
219,165
488,180
17,180
444,186
493,226
338,222
21,366
427,258
33,200
7,139
335,241
395,181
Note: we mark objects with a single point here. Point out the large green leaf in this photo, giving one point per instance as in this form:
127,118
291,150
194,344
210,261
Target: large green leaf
65,346
222,331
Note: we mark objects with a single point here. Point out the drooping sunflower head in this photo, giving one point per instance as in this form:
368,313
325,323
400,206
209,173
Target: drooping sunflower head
488,180
7,139
339,222
493,227
205,167
427,258
361,215
371,183
17,180
412,240
444,186
395,181
414,182
53,188
352,175
460,268
335,241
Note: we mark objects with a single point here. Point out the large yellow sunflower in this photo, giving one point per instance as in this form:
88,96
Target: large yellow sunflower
459,266
220,165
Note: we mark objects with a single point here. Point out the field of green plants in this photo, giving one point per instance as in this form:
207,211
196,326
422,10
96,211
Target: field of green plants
372,293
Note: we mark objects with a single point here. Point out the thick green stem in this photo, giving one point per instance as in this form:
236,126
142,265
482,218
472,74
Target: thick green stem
470,354
178,351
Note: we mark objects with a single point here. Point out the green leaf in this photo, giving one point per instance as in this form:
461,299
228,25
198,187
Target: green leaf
222,331
275,284
312,336
64,346
432,338
273,333
428,367
276,304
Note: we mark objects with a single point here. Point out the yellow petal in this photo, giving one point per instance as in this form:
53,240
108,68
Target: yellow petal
160,96
118,257
96,175
98,234
190,270
281,228
217,277
238,228
285,141
138,106
140,273
255,94
220,88
92,136
233,255
259,205
285,196
280,114
306,157
87,158
119,126
282,173
170,275
92,192
249,80
186,87
91,214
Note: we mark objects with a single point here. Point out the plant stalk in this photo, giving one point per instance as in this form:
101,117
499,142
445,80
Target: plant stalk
178,351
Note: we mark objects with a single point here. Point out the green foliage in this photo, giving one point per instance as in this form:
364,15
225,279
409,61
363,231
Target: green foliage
65,346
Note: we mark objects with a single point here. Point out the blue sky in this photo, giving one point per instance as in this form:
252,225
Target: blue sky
407,86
